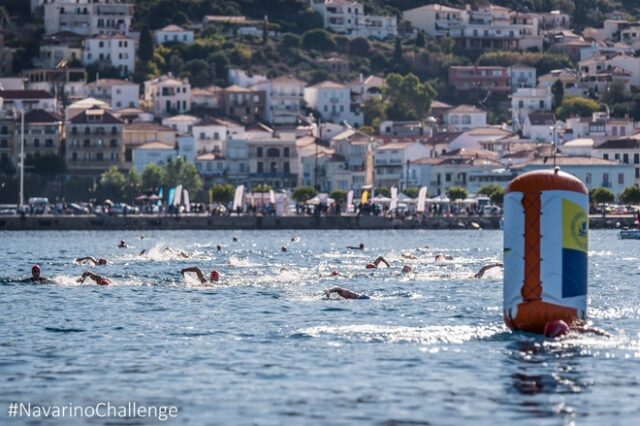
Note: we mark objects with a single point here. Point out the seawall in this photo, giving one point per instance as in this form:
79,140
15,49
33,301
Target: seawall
201,222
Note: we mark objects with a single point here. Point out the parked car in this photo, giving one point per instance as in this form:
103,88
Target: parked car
491,210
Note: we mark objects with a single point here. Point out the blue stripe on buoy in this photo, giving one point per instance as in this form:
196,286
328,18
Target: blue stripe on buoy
574,273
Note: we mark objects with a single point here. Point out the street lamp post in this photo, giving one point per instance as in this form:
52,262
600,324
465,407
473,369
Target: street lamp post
21,198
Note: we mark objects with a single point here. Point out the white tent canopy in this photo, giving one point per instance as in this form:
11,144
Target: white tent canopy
439,199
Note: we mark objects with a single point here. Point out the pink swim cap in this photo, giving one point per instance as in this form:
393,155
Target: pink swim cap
35,268
102,261
556,328
214,276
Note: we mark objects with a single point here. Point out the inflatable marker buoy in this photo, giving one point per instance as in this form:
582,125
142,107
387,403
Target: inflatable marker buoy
545,250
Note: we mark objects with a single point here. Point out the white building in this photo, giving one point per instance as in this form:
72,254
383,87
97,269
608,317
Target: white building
522,76
333,102
600,126
594,172
477,138
283,99
212,134
624,150
182,123
58,47
158,153
539,127
118,93
392,163
435,19
173,34
365,88
465,117
348,17
87,17
527,100
110,50
27,100
167,95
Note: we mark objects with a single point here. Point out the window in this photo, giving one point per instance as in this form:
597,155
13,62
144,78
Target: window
74,156
87,130
447,177
273,152
285,152
605,179
273,167
605,156
625,158
636,158
114,143
260,167
617,157
86,143
286,167
259,152
541,104
620,178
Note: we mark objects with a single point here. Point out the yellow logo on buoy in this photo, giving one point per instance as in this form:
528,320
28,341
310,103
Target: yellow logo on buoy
574,226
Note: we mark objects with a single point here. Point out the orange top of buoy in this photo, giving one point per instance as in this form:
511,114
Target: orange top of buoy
546,180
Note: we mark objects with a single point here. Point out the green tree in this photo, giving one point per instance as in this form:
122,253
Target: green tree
47,164
558,93
457,193
398,57
602,196
489,189
411,192
630,195
291,41
132,185
615,93
576,106
112,183
374,111
223,193
199,72
497,197
152,177
339,195
406,97
179,172
385,192
359,46
261,188
318,40
145,49
303,194
421,41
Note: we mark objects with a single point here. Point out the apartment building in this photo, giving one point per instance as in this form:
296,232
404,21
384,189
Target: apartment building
94,141
348,17
333,101
107,51
87,17
486,78
167,95
118,93
173,34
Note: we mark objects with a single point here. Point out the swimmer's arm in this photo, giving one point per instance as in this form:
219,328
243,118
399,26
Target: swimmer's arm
347,294
87,258
383,260
196,271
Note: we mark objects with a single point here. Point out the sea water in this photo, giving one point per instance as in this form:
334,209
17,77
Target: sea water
264,346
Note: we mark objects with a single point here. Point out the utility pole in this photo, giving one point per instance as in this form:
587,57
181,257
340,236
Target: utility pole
21,158
406,182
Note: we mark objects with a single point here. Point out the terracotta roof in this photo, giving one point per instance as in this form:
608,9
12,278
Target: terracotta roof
109,82
287,79
172,29
211,121
542,118
465,108
632,142
573,161
41,116
327,85
395,145
25,94
156,146
236,88
488,131
209,156
107,117
146,126
182,118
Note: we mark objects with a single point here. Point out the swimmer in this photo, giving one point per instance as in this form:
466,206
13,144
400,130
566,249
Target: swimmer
122,244
344,293
358,247
213,276
179,253
95,277
219,247
235,238
406,269
91,259
36,277
376,262
408,256
443,257
559,328
284,249
484,269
